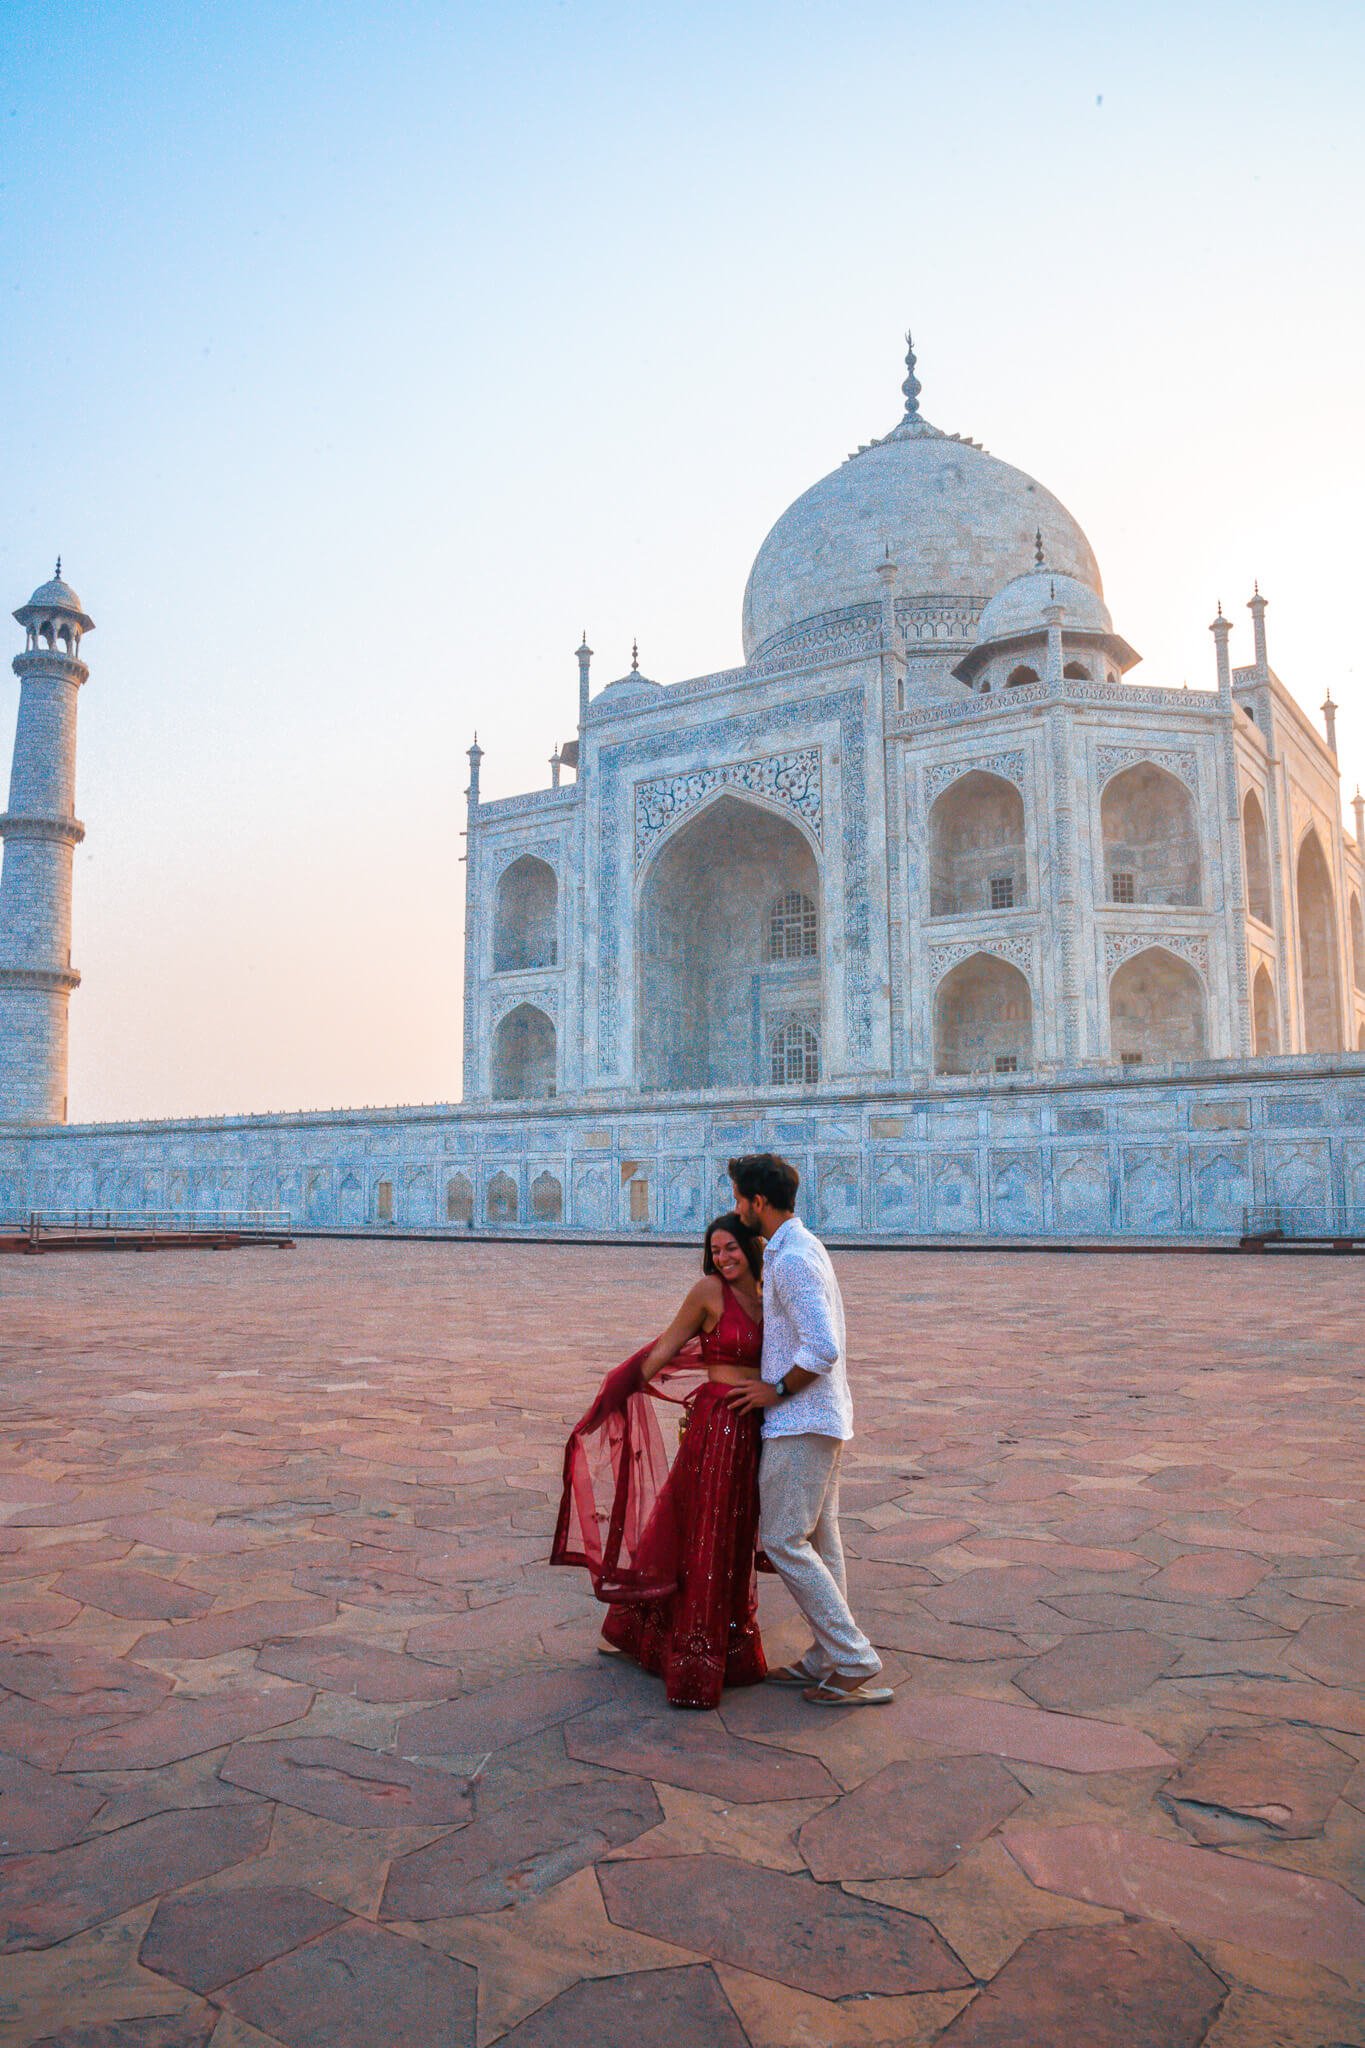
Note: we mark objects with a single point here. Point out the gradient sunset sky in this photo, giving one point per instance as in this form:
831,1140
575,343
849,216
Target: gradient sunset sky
356,357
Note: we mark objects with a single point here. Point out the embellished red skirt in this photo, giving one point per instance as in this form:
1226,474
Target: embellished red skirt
704,1635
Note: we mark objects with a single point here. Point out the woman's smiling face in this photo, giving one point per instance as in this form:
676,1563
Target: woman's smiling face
727,1256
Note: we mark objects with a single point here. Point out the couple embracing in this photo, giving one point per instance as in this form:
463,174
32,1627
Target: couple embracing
755,1484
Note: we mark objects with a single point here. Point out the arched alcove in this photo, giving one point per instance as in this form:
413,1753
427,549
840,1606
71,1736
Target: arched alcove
525,916
524,1056
1357,943
1151,837
1019,678
1076,672
1265,1017
1318,950
794,1056
706,959
547,1199
983,1019
976,847
501,1203
459,1199
1156,1009
1256,849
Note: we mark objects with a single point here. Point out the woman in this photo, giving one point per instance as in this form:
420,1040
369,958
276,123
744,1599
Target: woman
674,1555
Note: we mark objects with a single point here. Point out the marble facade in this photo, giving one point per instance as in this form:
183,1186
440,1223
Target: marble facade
926,893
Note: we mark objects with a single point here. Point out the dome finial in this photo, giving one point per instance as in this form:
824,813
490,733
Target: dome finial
635,657
911,386
1038,547
59,568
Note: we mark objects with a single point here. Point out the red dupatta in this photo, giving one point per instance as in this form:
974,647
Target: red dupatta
615,1515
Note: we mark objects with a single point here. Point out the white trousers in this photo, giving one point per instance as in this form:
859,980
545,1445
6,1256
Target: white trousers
798,1526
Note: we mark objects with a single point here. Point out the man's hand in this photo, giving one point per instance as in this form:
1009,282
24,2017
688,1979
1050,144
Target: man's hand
757,1394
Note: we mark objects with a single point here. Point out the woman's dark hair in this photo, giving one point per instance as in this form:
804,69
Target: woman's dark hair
748,1241
763,1173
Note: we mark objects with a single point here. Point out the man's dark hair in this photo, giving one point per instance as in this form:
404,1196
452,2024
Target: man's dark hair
763,1173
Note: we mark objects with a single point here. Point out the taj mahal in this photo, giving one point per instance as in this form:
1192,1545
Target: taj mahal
930,893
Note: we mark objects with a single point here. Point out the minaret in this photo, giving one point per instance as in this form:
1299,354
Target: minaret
40,833
584,666
1256,605
1221,630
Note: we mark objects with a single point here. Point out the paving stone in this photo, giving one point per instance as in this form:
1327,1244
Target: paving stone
1097,1670
516,1620
206,1940
1207,1575
81,1682
1004,1596
188,1727
1095,1987
504,1714
924,1635
1163,1617
237,1628
339,1664
31,1732
1202,1893
35,1614
1285,1778
914,1538
38,1811
911,1820
683,2008
520,1851
1204,1479
1330,1647
45,1897
164,2030
814,1937
356,1986
695,1751
1065,1742
341,1781
1321,1706
179,1536
138,1595
1055,1556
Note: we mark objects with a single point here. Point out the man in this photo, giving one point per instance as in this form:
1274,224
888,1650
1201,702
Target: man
807,1419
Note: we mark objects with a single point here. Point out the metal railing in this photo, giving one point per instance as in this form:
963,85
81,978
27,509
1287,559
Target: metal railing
39,1223
1291,1220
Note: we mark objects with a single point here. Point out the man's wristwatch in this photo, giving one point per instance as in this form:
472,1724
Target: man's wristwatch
783,1390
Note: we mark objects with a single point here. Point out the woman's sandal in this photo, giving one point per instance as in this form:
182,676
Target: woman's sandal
826,1695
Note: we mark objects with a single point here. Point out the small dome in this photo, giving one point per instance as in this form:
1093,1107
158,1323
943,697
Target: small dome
1020,607
56,596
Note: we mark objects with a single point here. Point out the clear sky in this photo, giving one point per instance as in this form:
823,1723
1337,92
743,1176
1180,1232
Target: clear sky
356,357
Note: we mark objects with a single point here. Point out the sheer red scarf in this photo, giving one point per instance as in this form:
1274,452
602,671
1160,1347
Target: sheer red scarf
615,1513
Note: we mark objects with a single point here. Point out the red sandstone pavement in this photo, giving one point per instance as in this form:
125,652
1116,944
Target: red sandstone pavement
301,1741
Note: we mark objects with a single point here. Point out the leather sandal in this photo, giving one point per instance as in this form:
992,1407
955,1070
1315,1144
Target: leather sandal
865,1695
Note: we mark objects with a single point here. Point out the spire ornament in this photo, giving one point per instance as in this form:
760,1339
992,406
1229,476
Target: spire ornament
1037,547
911,387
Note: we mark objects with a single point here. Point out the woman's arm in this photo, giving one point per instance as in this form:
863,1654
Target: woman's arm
685,1325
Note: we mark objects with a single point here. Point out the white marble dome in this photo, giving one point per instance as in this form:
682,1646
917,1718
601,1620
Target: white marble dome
1022,605
958,523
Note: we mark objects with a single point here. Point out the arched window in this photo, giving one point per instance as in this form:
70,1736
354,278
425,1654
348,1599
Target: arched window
547,1199
501,1206
983,1019
383,1201
792,932
795,1056
1076,672
1151,837
459,1199
976,847
1357,943
524,1049
1156,1010
1257,854
1265,1022
525,916
1017,677
1317,950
